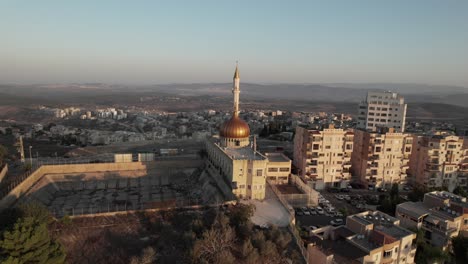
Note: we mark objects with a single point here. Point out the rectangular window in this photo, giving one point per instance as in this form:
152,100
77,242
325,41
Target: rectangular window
284,169
387,254
272,169
259,173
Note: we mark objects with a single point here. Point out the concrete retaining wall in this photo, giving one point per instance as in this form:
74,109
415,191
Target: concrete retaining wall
3,172
23,187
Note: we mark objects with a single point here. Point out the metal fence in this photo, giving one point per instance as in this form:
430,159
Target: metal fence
124,207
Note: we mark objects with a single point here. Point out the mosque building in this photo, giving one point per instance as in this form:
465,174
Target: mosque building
233,154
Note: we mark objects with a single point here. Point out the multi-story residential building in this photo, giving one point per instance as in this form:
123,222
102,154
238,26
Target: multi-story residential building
382,109
441,215
323,157
367,237
381,159
439,161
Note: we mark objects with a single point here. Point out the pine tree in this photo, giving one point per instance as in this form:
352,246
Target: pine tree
29,242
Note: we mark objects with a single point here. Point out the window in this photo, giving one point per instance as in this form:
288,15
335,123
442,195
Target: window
284,169
259,173
272,169
387,254
242,186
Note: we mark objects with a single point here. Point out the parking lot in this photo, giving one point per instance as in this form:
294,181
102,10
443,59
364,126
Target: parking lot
351,200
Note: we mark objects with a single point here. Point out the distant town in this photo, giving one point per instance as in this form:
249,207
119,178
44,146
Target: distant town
299,187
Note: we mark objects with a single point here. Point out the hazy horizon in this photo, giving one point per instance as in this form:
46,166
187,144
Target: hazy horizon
305,42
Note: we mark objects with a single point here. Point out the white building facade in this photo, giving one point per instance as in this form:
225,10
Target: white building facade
382,109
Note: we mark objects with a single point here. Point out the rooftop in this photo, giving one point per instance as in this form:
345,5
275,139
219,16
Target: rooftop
277,157
244,153
413,209
376,218
447,195
339,247
363,242
394,231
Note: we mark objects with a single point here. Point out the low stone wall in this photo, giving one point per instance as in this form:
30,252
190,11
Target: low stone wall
3,172
29,182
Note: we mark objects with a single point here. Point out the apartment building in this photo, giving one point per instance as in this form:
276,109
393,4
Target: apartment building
439,161
381,159
382,109
441,215
323,157
368,237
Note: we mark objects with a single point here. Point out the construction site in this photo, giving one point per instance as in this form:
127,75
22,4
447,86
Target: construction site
85,189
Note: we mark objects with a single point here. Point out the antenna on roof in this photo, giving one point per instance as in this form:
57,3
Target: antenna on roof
255,143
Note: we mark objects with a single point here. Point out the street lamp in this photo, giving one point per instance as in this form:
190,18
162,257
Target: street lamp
30,156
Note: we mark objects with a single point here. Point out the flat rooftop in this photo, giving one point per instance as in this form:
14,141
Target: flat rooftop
363,242
339,247
277,157
376,218
394,231
244,153
447,195
414,209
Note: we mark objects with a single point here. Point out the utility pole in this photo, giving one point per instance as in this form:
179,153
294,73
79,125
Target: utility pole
30,155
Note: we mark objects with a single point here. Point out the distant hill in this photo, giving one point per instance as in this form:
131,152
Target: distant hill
453,95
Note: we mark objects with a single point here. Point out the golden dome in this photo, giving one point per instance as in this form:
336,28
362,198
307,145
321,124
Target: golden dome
234,128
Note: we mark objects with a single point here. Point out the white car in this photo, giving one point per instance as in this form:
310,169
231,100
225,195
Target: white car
320,211
306,213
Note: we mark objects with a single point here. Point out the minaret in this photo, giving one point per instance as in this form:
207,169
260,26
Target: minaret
236,91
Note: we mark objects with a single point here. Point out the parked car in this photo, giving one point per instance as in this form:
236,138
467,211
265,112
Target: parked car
299,213
345,190
339,196
320,211
339,214
336,222
306,213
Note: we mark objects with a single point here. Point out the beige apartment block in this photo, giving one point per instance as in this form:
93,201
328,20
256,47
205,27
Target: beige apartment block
382,109
323,157
381,159
441,215
278,168
367,237
439,161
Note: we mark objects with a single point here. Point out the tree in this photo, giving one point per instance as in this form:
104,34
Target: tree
460,191
29,242
241,213
148,256
425,253
216,244
459,246
3,153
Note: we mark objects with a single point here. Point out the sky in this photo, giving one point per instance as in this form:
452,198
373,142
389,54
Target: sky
152,42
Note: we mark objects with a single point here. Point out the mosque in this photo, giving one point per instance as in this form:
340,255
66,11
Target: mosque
234,156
